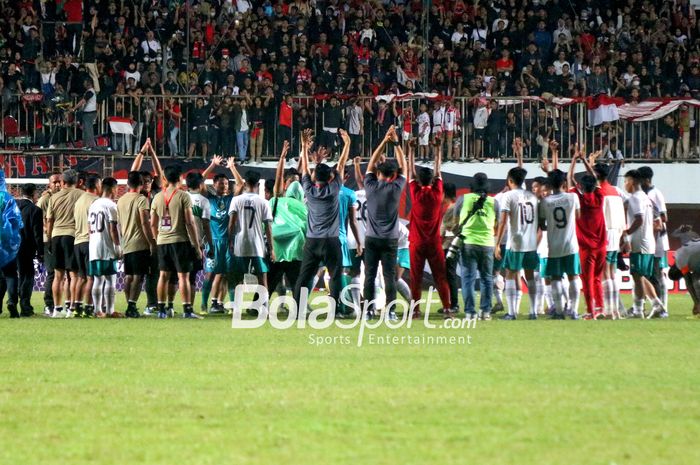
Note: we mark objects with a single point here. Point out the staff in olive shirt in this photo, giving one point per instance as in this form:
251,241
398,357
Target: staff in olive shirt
136,238
60,232
43,203
81,288
173,226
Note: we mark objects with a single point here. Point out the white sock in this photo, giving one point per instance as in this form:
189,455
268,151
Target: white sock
574,296
97,292
539,283
355,292
110,286
608,293
532,292
565,289
638,305
548,300
558,296
498,285
513,296
663,289
403,289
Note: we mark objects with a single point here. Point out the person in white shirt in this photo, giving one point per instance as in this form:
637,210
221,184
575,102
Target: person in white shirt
105,249
151,47
519,210
459,34
481,118
560,62
660,232
558,213
423,131
249,214
639,240
542,281
202,215
438,126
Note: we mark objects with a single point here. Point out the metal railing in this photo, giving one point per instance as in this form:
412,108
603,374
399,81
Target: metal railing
30,121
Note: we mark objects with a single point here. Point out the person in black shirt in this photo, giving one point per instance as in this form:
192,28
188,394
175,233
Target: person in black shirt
332,120
32,245
199,124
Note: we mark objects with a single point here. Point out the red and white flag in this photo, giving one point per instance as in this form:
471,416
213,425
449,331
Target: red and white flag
120,125
602,109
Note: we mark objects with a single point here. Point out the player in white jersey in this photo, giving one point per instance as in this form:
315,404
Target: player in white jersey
202,217
105,249
403,263
542,282
687,264
498,271
248,215
423,132
641,243
662,245
558,213
361,215
519,209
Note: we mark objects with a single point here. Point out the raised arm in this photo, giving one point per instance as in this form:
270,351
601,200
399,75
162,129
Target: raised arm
518,151
571,181
156,163
304,156
554,148
238,188
357,162
277,191
215,161
379,151
344,154
400,157
412,163
138,161
587,161
438,160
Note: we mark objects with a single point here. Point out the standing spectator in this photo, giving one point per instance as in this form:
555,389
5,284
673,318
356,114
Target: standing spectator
257,124
495,133
284,128
668,135
332,117
32,246
174,116
355,119
89,105
241,126
199,123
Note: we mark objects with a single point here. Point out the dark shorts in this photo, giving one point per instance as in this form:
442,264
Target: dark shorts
82,258
137,263
176,258
63,253
199,135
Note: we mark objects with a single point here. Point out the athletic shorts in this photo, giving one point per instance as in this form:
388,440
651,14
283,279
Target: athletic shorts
424,140
642,264
137,263
611,257
102,268
498,264
82,258
356,266
516,261
543,268
660,262
347,258
406,135
569,265
255,265
223,261
479,133
403,258
63,253
175,258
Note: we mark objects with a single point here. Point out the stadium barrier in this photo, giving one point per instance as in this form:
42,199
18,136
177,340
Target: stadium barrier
33,121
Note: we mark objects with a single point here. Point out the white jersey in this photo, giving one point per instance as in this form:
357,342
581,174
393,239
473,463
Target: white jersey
521,207
451,119
659,203
499,199
558,212
439,119
403,236
423,124
543,246
361,216
201,211
252,211
642,240
614,211
688,257
101,214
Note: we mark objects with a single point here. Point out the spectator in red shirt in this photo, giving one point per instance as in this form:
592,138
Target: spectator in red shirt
592,237
425,242
285,121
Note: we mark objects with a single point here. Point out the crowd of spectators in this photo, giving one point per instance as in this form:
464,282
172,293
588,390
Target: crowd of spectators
243,58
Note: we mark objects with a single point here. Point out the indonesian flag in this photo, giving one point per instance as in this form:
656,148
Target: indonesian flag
120,125
602,109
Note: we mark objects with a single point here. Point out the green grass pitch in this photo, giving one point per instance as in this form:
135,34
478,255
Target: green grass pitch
198,392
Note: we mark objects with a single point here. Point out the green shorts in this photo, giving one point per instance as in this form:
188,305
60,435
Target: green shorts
660,262
516,261
102,268
642,264
543,268
611,257
569,265
403,258
498,264
222,261
255,265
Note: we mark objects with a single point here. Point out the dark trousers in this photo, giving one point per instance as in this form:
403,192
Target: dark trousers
8,285
48,283
380,250
279,270
284,133
25,266
328,251
452,281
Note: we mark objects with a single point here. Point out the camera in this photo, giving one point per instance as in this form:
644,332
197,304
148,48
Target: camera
454,249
